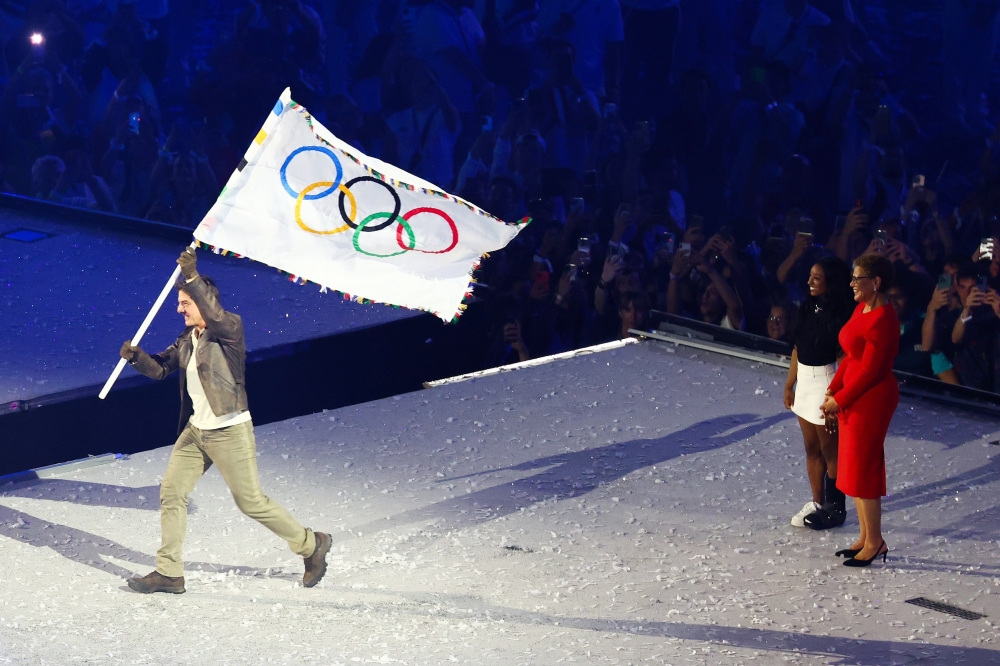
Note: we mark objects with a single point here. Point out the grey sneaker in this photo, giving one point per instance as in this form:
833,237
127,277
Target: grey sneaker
316,563
157,582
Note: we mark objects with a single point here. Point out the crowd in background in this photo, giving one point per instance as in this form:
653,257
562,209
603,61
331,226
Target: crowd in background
695,157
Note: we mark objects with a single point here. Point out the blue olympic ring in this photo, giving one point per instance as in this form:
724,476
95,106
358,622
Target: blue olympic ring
319,195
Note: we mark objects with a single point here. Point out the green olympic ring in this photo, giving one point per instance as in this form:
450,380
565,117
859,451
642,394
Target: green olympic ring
381,216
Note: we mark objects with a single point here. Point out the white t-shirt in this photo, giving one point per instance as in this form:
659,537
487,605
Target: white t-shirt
439,27
596,22
434,141
204,418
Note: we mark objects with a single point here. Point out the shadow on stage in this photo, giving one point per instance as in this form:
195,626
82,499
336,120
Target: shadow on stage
91,549
573,474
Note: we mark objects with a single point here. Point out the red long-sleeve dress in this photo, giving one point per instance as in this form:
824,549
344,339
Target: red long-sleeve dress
867,393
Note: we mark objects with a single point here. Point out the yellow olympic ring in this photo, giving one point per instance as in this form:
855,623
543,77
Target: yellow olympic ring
309,188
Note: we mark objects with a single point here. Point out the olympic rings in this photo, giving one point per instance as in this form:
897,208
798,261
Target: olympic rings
409,244
320,149
434,211
402,223
392,217
304,195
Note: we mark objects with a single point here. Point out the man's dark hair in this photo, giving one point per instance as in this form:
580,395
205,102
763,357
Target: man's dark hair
955,259
181,285
637,299
967,271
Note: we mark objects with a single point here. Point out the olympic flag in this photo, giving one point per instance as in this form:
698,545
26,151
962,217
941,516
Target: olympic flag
310,205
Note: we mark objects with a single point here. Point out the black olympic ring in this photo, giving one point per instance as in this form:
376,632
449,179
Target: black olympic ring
393,217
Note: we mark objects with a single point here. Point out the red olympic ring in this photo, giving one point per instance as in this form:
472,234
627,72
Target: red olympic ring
416,211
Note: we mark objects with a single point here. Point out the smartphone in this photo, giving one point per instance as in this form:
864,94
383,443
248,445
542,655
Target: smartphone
610,110
486,124
986,249
667,243
839,223
805,226
133,122
37,41
576,205
776,233
625,210
618,250
726,232
918,181
684,248
983,283
571,271
882,235
583,245
697,222
944,282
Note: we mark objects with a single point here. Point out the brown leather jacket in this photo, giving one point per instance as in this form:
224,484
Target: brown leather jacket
221,359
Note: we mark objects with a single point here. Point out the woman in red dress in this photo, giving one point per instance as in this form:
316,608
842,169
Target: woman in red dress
861,400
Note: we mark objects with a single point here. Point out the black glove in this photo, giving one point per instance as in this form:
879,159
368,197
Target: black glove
129,352
188,263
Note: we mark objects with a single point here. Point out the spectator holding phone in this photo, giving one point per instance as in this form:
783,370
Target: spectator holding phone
913,357
814,362
850,241
976,332
506,343
132,155
615,284
790,267
942,310
716,301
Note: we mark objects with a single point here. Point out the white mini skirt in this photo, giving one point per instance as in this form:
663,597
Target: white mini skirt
811,383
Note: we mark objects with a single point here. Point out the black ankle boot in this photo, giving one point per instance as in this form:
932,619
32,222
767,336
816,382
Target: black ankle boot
833,513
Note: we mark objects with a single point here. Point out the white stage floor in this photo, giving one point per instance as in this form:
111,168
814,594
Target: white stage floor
68,302
627,507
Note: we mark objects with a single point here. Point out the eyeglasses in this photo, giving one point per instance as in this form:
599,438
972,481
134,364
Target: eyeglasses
856,278
776,319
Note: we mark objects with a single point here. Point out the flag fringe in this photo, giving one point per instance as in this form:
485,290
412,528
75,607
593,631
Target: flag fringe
298,279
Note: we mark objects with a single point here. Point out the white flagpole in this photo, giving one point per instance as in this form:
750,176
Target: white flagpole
142,329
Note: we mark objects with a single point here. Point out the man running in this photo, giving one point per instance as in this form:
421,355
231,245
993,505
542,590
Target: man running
216,429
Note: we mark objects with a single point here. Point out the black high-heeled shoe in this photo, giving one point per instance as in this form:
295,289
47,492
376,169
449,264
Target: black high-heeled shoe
855,562
847,552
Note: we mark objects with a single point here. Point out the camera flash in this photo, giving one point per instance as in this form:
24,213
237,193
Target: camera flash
37,39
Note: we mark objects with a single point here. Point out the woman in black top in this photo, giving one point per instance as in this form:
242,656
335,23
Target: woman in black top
814,362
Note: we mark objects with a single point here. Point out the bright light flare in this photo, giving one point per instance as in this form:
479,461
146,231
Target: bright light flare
37,39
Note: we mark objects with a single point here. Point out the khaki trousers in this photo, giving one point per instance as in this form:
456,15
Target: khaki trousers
234,451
